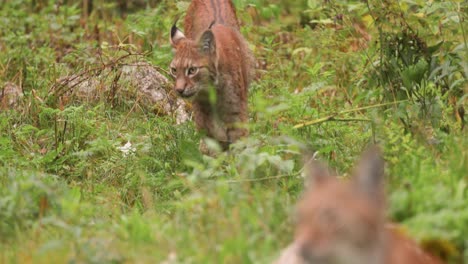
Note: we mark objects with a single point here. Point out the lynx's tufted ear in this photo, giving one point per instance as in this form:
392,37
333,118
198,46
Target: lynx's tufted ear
315,171
369,173
176,35
207,42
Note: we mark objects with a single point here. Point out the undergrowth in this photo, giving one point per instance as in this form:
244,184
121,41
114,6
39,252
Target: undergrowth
109,181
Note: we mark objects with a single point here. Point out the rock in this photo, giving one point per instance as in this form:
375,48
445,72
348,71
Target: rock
155,86
81,86
152,88
10,96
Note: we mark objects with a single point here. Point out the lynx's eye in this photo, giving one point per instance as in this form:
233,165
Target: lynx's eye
192,71
173,71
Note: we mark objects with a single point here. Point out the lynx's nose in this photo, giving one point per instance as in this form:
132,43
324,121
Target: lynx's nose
180,90
180,87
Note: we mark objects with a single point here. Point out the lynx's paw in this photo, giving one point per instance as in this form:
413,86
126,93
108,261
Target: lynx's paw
210,147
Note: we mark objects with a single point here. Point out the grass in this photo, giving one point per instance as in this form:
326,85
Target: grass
68,194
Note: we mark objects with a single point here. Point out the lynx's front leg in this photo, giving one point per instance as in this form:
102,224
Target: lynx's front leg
233,112
207,121
235,129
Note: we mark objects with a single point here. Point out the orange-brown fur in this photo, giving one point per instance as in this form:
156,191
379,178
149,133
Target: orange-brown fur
201,13
343,222
212,54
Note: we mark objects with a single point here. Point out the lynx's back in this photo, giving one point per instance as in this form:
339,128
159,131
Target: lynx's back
202,13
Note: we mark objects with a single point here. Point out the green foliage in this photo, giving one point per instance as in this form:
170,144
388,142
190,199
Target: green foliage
70,191
413,53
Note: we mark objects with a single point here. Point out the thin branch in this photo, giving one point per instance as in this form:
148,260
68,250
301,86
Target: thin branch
81,77
261,179
351,120
331,117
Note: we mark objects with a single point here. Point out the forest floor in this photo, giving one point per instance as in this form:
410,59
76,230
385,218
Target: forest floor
108,177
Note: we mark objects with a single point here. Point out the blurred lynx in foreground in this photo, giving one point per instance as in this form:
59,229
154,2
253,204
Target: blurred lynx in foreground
212,65
343,222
